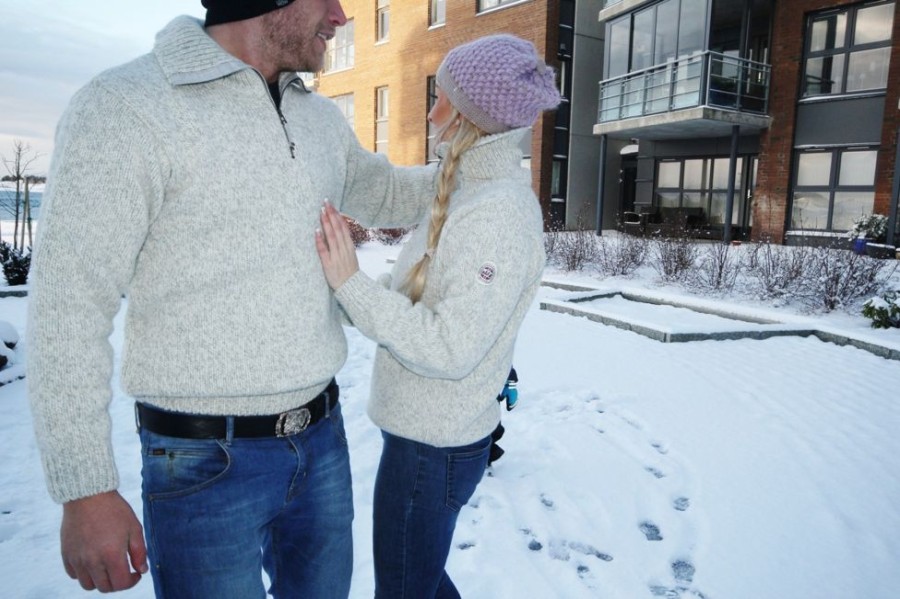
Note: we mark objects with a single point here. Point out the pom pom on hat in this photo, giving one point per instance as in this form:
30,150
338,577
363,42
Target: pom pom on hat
226,11
498,82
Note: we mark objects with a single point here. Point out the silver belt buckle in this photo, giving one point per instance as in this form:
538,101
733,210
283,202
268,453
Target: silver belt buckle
292,422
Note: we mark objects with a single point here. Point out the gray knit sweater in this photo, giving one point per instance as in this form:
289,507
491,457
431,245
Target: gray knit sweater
441,362
176,183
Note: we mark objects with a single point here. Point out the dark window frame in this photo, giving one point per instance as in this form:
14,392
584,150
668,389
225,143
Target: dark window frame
833,186
847,48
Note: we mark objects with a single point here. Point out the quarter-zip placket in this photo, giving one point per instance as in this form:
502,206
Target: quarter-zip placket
291,145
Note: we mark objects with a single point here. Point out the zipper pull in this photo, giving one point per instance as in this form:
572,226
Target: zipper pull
293,150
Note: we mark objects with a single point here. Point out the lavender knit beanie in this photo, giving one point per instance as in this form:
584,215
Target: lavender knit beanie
498,82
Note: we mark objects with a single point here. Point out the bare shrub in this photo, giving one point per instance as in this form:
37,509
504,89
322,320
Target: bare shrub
551,246
718,268
837,278
672,257
576,249
388,236
622,255
776,270
571,250
358,233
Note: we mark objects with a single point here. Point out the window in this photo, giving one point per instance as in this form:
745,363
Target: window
701,183
381,120
438,13
345,103
833,187
432,131
484,5
558,180
339,52
655,35
382,20
848,50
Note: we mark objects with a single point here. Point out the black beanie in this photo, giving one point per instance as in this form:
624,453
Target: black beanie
226,11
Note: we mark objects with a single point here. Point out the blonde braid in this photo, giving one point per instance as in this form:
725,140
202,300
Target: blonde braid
462,139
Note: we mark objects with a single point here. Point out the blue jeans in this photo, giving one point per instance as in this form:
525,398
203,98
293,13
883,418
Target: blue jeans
419,490
218,511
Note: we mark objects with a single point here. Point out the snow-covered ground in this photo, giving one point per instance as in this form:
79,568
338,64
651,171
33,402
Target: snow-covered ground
714,469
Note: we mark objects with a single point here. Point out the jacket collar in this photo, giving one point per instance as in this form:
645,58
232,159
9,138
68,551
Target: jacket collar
187,55
491,157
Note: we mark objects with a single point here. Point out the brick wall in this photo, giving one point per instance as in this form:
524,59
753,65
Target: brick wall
414,52
884,170
776,144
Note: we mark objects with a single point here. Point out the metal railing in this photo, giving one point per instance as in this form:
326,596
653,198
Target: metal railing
705,79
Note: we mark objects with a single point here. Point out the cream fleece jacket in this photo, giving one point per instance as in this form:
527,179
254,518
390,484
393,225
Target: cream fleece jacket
177,183
441,362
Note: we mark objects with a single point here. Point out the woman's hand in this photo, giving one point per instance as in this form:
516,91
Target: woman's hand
335,247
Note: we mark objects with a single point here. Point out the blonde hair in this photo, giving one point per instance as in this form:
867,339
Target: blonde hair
462,139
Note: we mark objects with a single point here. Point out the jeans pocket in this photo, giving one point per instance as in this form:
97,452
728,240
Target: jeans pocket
175,467
464,471
337,424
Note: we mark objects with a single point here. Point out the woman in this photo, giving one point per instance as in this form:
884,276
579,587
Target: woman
447,324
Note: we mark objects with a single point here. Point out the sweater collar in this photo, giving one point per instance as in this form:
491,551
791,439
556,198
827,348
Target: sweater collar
187,55
492,156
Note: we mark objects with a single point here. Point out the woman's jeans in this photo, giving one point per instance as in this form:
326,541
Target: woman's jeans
216,512
419,491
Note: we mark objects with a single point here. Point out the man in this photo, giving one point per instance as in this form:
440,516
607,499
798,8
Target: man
190,181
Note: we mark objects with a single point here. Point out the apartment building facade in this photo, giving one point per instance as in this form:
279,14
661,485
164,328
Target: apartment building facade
773,119
380,70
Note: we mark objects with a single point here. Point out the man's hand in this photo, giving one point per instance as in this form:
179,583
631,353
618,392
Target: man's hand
335,247
99,535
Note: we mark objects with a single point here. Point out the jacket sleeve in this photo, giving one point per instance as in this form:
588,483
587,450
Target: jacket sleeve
105,187
484,263
378,194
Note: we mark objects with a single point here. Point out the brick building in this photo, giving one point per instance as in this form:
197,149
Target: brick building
380,69
762,119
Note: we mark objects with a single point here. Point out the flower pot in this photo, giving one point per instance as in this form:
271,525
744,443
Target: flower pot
881,251
859,245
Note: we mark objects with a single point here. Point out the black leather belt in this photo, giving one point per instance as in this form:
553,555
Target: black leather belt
191,426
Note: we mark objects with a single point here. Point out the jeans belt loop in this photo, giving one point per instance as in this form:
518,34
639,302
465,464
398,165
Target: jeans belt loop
229,429
327,403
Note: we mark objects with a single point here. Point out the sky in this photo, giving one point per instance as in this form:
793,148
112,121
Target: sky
634,469
51,48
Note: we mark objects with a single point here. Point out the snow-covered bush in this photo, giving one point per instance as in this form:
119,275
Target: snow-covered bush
883,310
717,268
673,257
16,266
869,226
358,233
622,255
838,278
572,250
776,271
388,236
8,340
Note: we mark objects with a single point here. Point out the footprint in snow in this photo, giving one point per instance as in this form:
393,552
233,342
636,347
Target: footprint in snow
547,502
651,531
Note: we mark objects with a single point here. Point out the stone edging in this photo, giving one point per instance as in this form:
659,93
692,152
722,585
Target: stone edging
774,328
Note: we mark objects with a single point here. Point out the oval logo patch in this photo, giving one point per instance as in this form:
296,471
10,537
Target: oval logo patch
487,272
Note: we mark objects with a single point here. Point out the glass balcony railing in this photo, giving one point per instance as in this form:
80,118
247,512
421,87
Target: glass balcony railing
706,79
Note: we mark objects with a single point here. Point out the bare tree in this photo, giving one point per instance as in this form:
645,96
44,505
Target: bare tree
17,167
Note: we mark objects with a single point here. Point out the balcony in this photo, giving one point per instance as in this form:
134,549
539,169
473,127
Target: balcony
703,94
